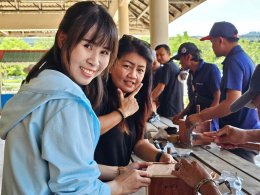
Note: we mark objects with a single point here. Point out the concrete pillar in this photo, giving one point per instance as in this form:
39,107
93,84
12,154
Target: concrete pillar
159,20
123,18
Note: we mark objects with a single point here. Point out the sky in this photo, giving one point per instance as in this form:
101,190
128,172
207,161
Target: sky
243,14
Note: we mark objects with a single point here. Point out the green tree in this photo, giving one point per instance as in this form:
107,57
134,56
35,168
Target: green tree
43,43
14,44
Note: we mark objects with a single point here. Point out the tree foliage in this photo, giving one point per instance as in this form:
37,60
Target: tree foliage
252,48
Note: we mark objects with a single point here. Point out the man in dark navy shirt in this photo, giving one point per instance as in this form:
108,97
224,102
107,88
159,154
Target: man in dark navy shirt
237,72
203,81
169,91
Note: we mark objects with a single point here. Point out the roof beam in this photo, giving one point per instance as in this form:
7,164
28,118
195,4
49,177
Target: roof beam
44,21
182,1
144,11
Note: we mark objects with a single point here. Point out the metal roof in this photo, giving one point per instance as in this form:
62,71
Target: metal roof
16,10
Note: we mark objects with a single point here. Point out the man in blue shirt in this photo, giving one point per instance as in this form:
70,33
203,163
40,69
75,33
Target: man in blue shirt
203,81
237,71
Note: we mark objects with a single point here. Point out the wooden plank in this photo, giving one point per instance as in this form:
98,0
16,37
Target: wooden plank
250,185
223,189
168,122
159,124
151,127
231,158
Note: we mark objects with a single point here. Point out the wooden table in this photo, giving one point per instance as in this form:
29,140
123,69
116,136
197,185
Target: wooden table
215,159
218,160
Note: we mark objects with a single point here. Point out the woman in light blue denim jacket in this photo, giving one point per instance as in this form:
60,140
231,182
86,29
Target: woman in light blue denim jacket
49,126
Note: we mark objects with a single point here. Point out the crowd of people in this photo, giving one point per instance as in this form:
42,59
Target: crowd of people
82,110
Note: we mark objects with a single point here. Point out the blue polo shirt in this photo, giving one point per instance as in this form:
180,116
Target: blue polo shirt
237,72
202,85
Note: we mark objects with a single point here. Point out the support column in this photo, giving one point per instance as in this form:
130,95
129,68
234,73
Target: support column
123,17
159,21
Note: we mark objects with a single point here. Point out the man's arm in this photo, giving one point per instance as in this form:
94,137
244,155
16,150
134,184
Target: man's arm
157,91
181,114
216,98
222,109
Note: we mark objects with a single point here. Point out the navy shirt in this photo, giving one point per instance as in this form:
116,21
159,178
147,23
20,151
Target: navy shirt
202,85
171,99
237,72
157,76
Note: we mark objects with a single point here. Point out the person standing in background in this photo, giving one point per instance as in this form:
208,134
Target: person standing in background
203,81
237,71
169,91
230,136
157,70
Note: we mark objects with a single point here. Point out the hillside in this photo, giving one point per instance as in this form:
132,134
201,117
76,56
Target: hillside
252,36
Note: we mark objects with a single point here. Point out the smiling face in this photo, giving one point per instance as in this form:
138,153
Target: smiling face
87,60
128,72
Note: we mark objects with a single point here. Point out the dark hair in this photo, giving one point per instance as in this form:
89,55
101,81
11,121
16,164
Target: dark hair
77,22
195,55
165,46
130,44
232,40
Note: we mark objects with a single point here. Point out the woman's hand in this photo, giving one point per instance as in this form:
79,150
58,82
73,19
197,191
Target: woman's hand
129,104
190,172
167,158
134,166
193,174
129,182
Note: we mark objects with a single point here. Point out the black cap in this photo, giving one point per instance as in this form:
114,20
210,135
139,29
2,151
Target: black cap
185,49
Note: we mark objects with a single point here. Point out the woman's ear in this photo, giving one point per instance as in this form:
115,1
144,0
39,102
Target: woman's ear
61,38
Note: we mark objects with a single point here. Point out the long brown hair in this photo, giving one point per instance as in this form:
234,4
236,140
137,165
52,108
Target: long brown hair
77,21
129,44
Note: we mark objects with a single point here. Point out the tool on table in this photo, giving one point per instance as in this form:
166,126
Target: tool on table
193,136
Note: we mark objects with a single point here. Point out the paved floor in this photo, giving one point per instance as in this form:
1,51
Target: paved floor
140,192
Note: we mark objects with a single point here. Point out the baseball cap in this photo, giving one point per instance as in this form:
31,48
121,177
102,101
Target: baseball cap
222,29
252,92
185,49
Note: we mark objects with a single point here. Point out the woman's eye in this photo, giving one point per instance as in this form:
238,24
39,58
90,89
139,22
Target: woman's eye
88,45
140,70
126,66
106,52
